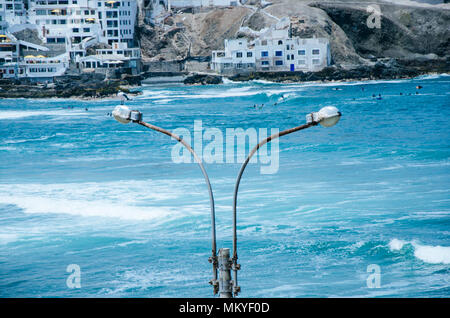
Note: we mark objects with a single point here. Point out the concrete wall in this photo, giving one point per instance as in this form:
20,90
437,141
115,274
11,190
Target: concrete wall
163,66
202,3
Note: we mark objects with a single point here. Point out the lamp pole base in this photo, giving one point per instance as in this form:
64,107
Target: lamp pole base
225,282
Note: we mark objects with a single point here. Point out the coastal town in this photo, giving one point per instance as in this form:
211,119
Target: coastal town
43,42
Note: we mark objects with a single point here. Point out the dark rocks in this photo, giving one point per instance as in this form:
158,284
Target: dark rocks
83,86
203,79
392,69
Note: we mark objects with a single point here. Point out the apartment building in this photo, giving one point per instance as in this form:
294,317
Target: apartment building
11,12
275,53
199,3
20,59
36,68
238,56
118,56
76,23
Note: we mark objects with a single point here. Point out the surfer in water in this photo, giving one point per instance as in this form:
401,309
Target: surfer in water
123,97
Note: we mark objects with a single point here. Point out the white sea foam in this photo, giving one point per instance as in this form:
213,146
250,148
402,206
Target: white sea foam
432,254
133,200
99,208
6,238
427,253
396,245
14,114
392,167
19,141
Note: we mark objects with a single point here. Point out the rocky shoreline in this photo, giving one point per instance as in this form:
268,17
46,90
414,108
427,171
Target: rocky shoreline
86,86
91,86
391,69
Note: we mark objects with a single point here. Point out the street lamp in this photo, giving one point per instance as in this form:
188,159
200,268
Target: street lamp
124,115
327,117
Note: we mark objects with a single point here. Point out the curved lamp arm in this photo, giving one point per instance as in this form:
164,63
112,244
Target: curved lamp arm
327,117
124,115
236,266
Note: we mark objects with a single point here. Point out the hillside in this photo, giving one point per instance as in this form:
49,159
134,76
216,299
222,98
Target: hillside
410,30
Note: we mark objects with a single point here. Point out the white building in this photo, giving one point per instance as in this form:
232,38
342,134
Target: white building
11,12
67,28
117,20
12,49
35,67
80,23
276,52
200,3
119,56
238,56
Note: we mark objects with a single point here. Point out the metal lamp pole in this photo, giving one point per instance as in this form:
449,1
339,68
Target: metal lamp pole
327,117
124,115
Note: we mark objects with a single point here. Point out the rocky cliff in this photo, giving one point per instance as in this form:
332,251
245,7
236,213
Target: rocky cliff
409,30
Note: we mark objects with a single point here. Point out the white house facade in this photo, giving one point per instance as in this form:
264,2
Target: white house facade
11,12
38,68
272,54
119,56
238,56
200,3
76,22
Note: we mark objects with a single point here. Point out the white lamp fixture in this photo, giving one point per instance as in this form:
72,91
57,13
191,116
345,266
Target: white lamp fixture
124,115
327,116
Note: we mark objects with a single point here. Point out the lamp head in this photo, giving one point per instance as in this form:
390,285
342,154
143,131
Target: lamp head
327,116
124,115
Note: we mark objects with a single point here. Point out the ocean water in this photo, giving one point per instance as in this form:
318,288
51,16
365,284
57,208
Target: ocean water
76,187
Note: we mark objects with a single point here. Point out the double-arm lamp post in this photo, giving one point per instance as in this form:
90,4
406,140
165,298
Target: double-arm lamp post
225,285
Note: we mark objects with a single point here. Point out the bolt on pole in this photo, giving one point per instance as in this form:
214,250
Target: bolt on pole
225,284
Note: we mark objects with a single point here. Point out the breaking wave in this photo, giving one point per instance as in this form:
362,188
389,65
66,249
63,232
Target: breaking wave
427,253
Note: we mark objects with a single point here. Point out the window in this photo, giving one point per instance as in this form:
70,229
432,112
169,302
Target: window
301,52
278,53
316,52
288,57
278,63
265,63
280,42
301,62
264,54
75,30
86,30
238,54
249,54
316,61
264,42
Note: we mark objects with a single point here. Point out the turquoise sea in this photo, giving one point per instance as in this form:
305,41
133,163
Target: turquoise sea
76,187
